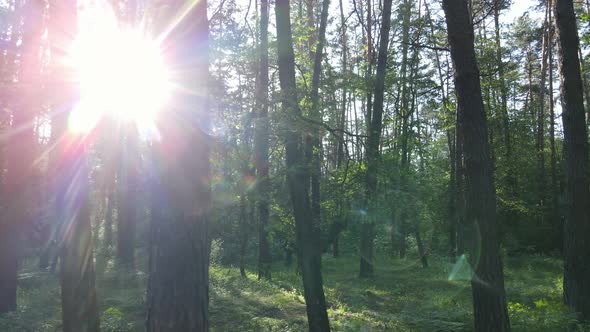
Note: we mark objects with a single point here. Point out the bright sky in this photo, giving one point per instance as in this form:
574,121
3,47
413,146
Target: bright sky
518,8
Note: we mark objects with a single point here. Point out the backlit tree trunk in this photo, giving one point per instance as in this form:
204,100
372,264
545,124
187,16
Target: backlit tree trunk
20,155
78,292
178,286
70,176
128,185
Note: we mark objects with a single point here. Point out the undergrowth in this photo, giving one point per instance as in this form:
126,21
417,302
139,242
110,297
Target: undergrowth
401,297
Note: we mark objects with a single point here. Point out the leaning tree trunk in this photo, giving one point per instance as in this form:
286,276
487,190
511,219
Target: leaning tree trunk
576,277
487,283
307,233
178,287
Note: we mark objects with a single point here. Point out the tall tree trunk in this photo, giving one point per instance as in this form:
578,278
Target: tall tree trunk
78,292
370,62
20,155
308,247
243,228
585,87
261,142
128,182
405,114
315,139
460,199
553,157
108,222
453,194
178,286
70,176
452,146
507,140
342,118
541,115
340,153
373,157
576,278
487,283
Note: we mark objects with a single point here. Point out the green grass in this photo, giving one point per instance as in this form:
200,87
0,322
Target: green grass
401,297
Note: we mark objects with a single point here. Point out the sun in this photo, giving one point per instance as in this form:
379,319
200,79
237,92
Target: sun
120,71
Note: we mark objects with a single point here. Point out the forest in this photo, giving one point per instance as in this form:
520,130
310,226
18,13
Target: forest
294,165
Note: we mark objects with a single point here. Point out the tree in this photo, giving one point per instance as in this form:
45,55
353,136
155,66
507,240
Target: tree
128,190
261,142
314,139
367,228
20,155
487,282
308,246
405,112
576,250
511,179
78,292
70,176
178,287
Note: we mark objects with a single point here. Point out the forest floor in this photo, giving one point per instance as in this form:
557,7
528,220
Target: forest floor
401,297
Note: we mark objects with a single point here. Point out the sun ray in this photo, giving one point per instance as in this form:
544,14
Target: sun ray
177,18
119,71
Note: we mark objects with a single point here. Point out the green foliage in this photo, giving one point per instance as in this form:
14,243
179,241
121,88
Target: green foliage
401,297
112,320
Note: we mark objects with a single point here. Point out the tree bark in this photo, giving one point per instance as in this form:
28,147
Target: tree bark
489,299
576,278
308,249
178,286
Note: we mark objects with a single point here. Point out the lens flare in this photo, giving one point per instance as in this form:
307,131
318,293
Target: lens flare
120,71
